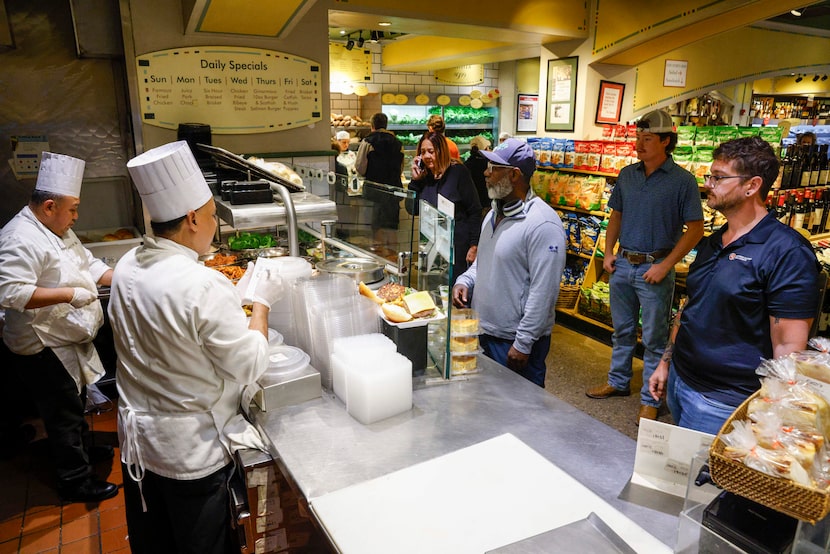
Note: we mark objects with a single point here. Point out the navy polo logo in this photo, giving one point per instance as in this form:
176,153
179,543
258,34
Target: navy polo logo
553,248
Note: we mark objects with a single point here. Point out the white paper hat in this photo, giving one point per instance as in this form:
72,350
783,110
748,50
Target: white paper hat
169,181
60,174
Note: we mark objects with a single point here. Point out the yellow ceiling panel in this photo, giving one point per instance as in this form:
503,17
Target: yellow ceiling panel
264,18
547,17
753,53
423,53
627,36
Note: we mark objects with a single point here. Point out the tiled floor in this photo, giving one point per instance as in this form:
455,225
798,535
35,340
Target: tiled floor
32,517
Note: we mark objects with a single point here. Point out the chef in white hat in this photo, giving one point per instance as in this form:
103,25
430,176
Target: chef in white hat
49,289
185,352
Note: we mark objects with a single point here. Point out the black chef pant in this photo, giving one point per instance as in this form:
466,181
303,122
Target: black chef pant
182,516
62,410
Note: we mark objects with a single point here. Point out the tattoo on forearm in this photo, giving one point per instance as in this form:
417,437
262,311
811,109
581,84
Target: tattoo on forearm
777,320
668,351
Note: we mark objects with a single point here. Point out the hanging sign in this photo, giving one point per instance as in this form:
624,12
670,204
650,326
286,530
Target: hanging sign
235,90
353,65
461,75
674,74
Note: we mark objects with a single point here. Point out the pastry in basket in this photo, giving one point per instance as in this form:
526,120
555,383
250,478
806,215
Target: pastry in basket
813,364
794,403
741,444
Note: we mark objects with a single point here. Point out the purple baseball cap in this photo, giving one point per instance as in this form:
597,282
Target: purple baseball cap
513,152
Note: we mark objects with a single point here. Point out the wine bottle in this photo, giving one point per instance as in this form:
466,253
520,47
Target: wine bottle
795,175
824,174
816,222
806,164
782,210
797,221
787,167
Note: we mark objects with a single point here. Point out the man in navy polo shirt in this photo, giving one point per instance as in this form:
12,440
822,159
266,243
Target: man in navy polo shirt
753,293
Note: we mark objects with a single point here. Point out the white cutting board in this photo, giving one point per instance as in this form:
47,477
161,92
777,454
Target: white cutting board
476,499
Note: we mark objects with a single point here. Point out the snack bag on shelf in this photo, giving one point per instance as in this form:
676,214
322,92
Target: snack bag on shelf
572,188
683,157
580,154
588,233
702,159
557,187
723,134
590,193
557,154
704,136
545,152
686,135
592,160
571,225
748,132
536,145
540,185
570,155
608,161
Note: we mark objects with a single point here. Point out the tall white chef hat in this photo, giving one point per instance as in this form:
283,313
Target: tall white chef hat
60,174
169,181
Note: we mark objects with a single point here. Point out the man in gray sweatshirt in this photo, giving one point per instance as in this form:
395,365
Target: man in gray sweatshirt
514,282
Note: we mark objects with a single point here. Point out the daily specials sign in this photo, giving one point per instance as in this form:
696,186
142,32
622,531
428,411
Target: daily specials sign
235,90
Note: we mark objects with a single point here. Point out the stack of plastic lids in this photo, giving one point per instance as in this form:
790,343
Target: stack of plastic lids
371,377
327,307
283,361
282,317
275,338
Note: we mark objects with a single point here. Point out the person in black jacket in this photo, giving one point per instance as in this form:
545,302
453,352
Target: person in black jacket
477,164
441,176
380,160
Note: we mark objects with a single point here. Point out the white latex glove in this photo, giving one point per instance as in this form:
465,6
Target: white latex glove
269,289
82,297
242,284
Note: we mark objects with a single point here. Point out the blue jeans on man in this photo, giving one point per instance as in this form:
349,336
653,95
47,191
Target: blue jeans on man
628,293
535,370
693,409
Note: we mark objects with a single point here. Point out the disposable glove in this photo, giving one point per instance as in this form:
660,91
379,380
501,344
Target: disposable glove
244,281
269,289
82,297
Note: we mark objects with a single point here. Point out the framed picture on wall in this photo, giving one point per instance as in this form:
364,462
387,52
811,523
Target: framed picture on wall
527,113
560,103
609,104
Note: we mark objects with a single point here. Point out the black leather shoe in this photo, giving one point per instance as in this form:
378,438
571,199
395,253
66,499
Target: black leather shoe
100,453
90,490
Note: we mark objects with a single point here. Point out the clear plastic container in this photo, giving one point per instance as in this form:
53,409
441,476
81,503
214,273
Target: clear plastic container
283,360
464,322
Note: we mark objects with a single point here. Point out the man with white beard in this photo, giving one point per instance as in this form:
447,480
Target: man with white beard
514,282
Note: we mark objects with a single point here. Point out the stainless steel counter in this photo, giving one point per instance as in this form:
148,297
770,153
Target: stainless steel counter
323,449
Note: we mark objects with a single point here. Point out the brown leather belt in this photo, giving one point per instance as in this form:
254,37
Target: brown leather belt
637,258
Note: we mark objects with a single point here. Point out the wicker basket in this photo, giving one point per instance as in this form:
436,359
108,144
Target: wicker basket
783,495
567,296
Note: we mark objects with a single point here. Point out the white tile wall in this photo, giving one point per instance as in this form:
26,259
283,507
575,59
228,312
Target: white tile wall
404,82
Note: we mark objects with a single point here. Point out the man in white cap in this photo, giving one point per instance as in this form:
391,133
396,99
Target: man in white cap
185,352
652,202
49,288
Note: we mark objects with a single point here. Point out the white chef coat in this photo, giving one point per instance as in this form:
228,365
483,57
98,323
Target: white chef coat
184,354
32,256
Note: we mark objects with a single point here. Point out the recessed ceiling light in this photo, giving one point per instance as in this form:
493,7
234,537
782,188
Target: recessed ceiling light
797,12
385,23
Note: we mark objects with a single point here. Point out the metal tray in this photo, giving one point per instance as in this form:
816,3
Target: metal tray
586,535
233,161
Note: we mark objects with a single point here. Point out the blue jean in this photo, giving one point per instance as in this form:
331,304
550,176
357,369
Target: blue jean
628,293
691,409
535,369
